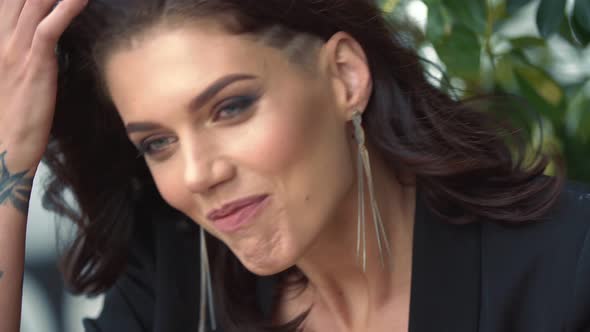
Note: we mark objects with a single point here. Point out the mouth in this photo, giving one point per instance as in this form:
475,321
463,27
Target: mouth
238,214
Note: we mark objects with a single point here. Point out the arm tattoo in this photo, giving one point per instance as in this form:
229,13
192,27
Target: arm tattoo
14,188
1,274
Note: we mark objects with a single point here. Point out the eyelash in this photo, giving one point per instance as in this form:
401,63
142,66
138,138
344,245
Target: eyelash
242,103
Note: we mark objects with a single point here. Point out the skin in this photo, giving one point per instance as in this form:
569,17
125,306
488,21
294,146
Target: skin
294,143
29,31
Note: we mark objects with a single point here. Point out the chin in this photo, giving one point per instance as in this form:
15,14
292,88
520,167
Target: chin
264,262
269,270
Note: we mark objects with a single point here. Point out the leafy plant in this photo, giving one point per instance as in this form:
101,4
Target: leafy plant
478,50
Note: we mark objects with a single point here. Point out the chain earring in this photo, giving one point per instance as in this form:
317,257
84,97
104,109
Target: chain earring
364,169
206,289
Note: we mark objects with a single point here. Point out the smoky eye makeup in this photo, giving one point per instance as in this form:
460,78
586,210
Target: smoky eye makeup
228,109
234,106
153,145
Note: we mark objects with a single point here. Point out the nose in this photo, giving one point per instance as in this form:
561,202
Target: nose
205,170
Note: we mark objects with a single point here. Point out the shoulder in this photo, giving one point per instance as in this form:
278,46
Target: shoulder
563,227
539,272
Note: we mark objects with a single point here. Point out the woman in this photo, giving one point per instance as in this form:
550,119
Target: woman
251,119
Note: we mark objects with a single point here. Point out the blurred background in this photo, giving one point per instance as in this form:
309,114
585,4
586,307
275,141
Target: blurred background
535,50
47,306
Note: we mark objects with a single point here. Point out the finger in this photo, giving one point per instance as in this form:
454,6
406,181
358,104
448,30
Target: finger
32,14
53,26
9,13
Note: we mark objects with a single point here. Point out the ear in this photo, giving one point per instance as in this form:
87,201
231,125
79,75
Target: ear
348,70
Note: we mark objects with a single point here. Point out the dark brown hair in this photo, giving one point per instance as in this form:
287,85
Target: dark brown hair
465,165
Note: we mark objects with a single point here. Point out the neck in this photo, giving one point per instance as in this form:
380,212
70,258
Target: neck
337,282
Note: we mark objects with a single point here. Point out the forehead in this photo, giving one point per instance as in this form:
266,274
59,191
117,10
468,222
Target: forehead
166,63
205,47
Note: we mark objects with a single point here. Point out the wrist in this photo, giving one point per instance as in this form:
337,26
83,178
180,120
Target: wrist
15,186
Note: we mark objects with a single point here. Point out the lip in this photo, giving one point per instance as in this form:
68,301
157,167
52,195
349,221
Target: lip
238,213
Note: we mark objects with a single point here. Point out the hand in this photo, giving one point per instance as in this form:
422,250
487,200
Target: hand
29,31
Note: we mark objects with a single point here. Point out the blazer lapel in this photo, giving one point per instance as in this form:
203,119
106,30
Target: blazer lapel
445,293
177,278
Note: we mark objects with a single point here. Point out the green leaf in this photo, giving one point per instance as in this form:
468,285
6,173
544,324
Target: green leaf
549,16
582,14
527,42
531,87
577,136
577,120
389,6
512,6
580,22
579,34
460,52
504,73
543,83
438,24
506,84
578,162
471,13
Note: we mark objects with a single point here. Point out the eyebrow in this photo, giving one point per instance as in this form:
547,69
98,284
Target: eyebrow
196,103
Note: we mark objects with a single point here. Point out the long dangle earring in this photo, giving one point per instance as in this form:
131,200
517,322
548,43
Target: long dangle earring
206,289
364,169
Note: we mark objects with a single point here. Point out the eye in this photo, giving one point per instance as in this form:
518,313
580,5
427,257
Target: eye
153,146
234,107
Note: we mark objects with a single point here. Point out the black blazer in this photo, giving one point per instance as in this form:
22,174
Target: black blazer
479,277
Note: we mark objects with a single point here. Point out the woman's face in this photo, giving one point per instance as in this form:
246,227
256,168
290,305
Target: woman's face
267,129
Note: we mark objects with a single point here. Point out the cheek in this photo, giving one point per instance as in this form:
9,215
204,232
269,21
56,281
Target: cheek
306,154
276,145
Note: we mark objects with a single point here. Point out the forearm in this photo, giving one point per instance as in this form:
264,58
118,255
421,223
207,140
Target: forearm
28,89
15,188
12,247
